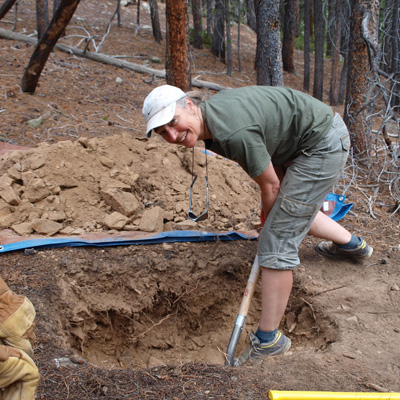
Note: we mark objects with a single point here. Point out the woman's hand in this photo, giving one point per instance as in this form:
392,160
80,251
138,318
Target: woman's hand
269,183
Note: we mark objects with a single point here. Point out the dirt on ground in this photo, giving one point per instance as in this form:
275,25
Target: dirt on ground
154,321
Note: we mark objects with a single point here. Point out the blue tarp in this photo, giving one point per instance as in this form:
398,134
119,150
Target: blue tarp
164,237
339,211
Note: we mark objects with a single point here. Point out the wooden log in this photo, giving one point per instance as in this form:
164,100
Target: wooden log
6,34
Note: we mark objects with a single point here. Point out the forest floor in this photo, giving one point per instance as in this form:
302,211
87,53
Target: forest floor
154,321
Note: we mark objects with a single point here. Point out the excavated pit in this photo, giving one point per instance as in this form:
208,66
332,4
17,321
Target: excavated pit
163,304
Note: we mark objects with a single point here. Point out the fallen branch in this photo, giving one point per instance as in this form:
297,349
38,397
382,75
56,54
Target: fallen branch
4,33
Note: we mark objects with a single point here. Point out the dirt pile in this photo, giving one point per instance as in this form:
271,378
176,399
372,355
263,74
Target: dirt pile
120,183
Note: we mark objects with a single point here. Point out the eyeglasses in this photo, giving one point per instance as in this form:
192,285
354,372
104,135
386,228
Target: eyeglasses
191,214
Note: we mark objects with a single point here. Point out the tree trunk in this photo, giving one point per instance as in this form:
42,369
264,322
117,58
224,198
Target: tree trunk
228,40
319,23
42,17
395,54
197,25
331,28
297,19
306,79
344,49
218,40
334,87
118,11
6,7
251,15
46,44
386,17
155,20
343,75
209,18
289,30
360,88
177,64
269,53
239,14
56,4
138,13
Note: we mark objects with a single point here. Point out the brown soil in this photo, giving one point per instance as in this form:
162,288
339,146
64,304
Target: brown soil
153,322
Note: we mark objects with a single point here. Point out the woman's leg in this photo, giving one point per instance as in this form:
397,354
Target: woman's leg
326,228
276,288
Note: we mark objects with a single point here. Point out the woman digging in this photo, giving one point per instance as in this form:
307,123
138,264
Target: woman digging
295,149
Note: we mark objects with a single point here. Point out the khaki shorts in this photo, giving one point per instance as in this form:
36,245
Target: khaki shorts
304,187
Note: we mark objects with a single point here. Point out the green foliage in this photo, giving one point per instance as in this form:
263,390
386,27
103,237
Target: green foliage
299,43
207,40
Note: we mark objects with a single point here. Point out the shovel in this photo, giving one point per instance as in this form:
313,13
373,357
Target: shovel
244,308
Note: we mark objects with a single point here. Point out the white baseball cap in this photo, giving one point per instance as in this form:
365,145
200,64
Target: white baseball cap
159,106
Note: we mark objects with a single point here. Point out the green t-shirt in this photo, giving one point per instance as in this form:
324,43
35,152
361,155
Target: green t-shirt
258,124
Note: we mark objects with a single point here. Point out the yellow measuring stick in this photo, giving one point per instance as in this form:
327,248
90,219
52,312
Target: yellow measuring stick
295,395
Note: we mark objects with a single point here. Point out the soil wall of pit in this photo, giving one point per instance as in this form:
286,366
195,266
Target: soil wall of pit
165,304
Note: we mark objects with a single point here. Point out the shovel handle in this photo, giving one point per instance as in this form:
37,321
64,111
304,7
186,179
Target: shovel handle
244,308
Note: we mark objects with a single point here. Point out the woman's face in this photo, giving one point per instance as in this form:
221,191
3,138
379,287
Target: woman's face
184,129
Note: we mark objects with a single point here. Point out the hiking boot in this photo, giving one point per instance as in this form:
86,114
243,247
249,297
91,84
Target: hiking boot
331,250
280,345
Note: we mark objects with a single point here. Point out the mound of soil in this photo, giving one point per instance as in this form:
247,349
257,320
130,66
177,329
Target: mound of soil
153,322
102,184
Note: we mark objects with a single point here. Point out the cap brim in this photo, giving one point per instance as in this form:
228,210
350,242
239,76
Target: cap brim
161,118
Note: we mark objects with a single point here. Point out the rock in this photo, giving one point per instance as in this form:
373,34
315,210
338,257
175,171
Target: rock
395,288
352,320
169,215
34,195
155,60
9,220
107,162
4,208
78,231
154,362
68,230
169,226
181,206
9,196
186,225
128,177
107,183
55,216
23,229
200,341
179,187
5,181
152,220
115,220
65,182
152,146
123,202
36,161
131,228
46,227
36,122
13,173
